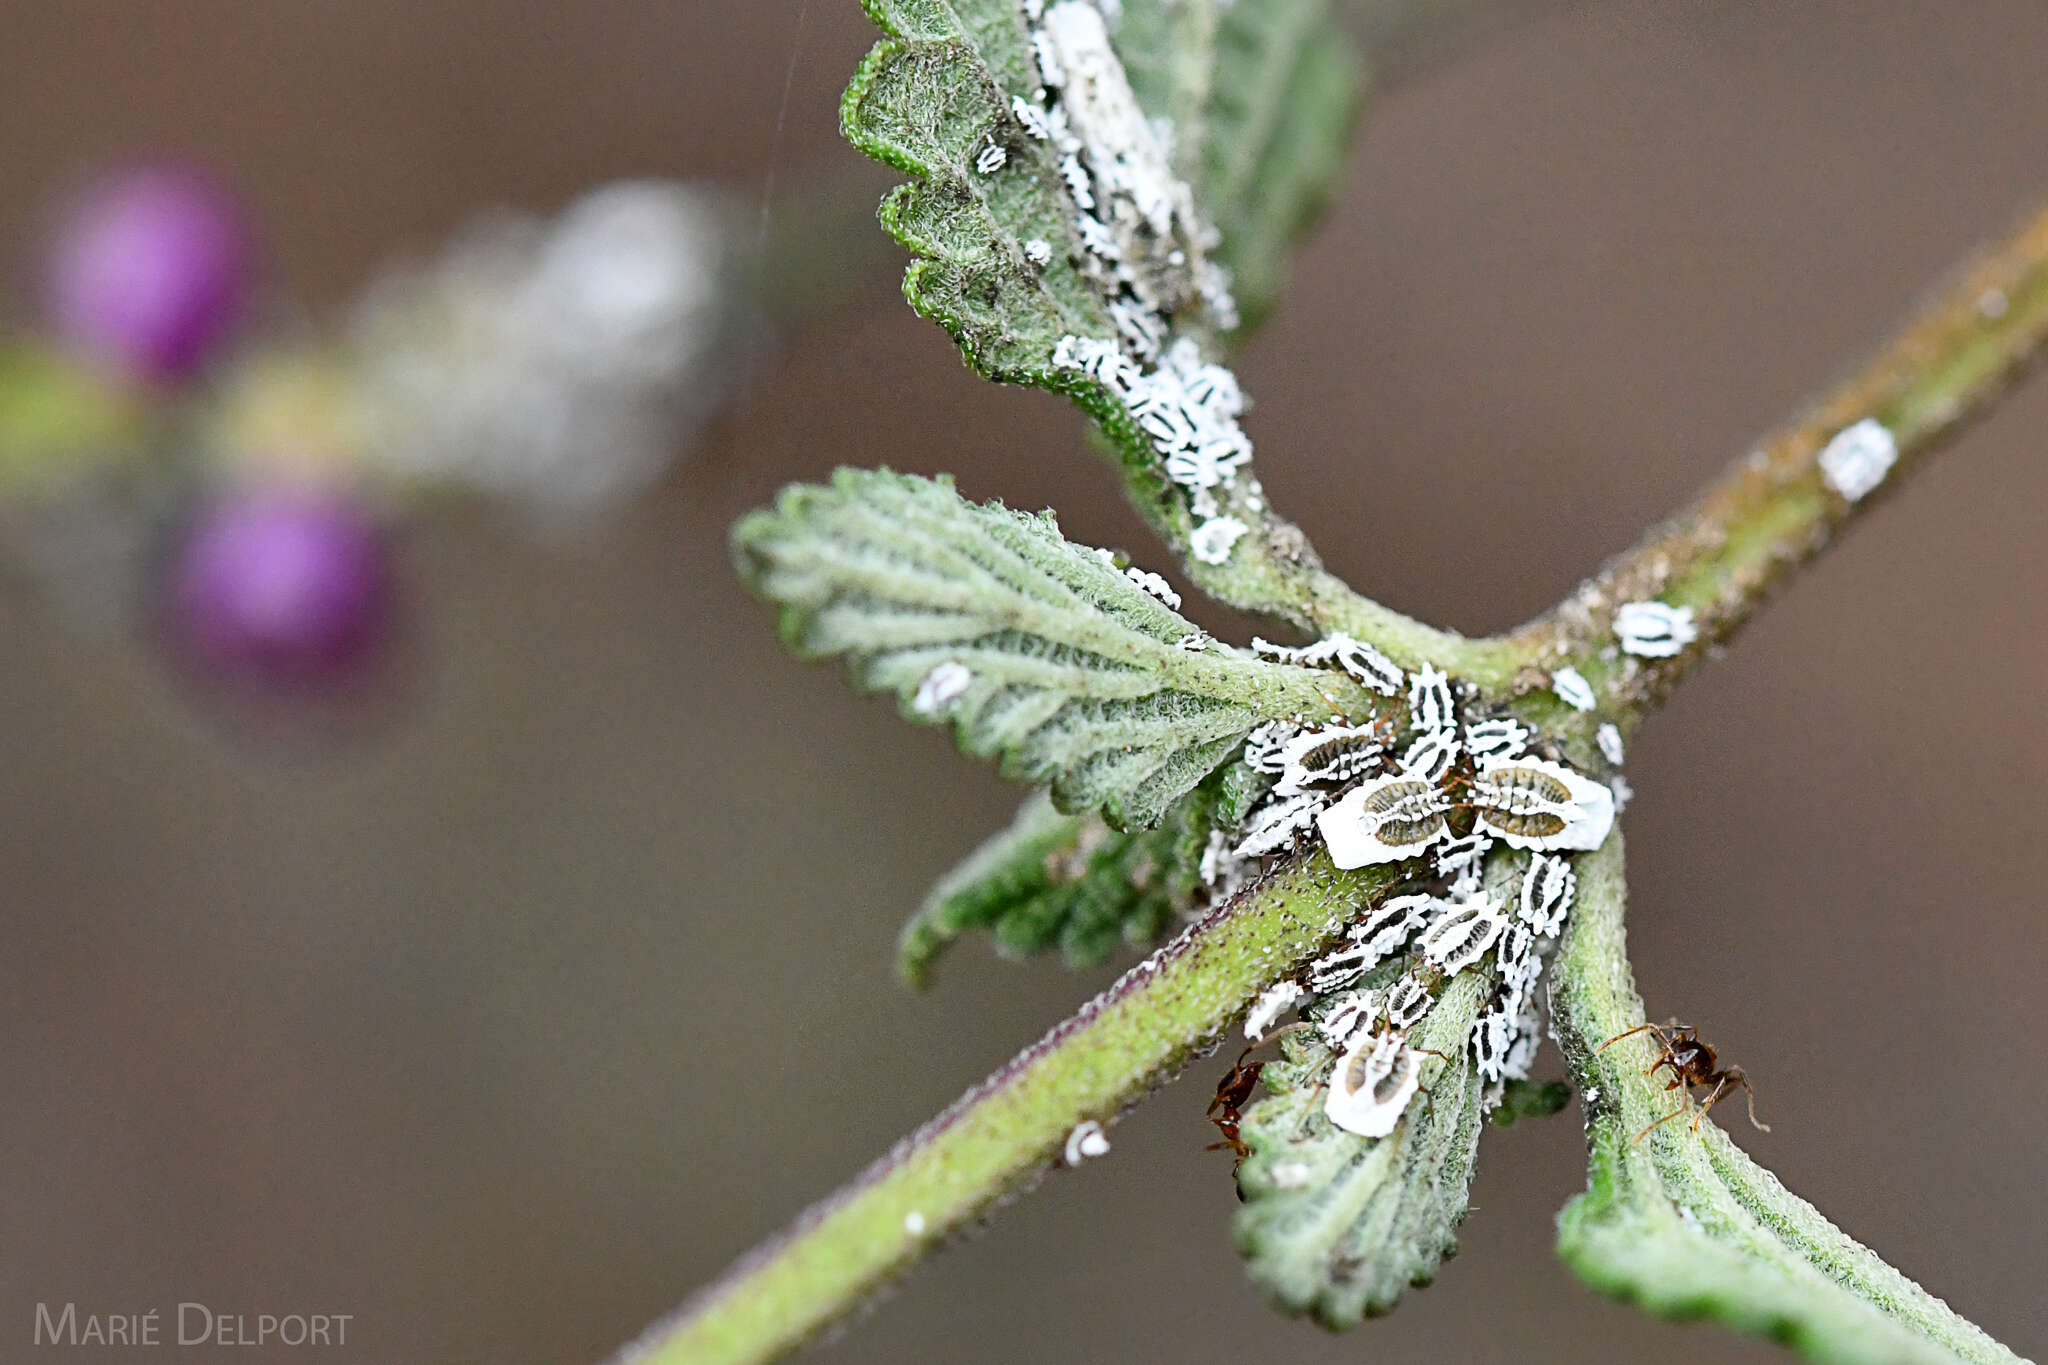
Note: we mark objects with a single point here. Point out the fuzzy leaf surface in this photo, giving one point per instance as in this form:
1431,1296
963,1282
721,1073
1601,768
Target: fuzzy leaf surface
1337,1226
1073,883
1074,676
1263,95
1683,1224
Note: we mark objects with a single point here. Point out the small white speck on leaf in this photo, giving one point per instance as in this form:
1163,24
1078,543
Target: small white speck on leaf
913,1223
941,687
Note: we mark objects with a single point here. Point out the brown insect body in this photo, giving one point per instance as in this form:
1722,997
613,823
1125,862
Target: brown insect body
1693,1065
1226,1109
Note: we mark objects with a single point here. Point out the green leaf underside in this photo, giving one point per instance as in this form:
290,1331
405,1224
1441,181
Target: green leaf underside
1263,94
1684,1224
1071,882
1343,1238
1076,680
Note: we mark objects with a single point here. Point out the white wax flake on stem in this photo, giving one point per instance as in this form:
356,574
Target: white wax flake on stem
992,159
1572,688
1291,1175
941,687
1038,251
913,1223
1214,539
1623,793
1654,630
1086,1142
1856,461
1276,1000
1609,740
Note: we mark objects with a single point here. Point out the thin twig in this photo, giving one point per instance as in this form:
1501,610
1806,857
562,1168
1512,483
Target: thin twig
999,1135
1773,510
1722,557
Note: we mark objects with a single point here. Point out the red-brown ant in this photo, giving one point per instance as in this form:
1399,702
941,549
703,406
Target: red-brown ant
1692,1064
1232,1093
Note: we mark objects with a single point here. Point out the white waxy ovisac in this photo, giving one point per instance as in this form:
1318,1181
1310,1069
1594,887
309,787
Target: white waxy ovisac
1572,688
941,687
1512,794
1373,1084
1384,820
1653,630
1857,459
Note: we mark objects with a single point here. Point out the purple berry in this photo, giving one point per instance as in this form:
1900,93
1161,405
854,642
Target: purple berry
283,590
149,272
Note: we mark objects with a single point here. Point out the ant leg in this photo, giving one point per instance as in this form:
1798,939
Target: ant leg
1658,1124
1735,1074
1720,1086
1639,1028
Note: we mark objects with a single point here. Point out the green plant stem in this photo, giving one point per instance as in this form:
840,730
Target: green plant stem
1723,556
1682,1222
1006,1130
1772,511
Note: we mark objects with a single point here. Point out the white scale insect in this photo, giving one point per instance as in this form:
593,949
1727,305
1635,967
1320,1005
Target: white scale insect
1215,538
1609,739
992,159
1499,737
1329,756
1373,1084
1430,704
1531,803
1653,630
1276,824
1548,888
1572,688
1341,651
1463,934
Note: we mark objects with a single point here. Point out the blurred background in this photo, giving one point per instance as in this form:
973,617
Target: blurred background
506,1024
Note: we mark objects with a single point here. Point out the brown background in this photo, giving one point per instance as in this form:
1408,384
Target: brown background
505,1030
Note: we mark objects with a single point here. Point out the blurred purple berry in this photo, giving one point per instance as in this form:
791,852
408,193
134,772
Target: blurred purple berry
149,272
283,590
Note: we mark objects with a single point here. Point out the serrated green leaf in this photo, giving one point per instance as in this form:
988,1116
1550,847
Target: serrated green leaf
1074,676
927,101
1684,1224
1072,882
1337,1226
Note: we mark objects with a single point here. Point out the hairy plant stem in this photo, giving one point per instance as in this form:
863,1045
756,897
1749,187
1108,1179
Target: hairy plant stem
1722,556
1012,1126
1772,510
